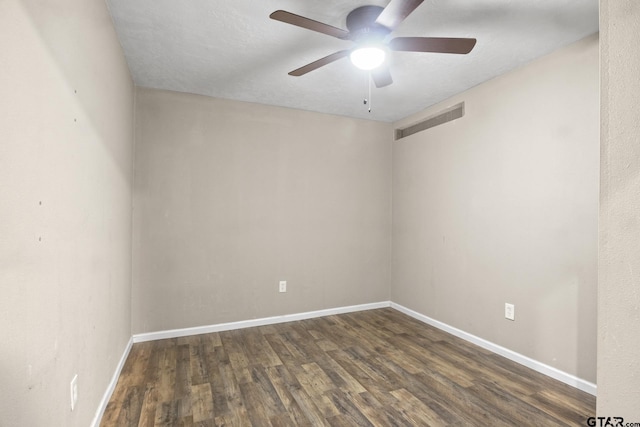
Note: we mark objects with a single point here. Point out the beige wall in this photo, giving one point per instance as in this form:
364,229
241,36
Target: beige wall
66,137
619,259
232,197
501,206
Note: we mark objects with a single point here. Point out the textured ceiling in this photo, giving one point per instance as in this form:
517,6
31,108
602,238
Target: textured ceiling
231,49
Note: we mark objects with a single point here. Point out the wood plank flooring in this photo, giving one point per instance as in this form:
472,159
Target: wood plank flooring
370,368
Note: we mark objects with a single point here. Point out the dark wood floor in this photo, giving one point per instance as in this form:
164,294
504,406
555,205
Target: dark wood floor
377,367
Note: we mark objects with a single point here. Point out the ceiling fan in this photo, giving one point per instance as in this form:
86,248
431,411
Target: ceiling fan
368,27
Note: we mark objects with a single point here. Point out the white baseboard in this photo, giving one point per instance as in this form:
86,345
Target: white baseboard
112,385
175,333
550,371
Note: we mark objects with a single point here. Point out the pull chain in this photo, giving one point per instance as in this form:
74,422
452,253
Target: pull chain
370,101
367,101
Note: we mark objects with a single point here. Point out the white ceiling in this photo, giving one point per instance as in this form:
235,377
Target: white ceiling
231,49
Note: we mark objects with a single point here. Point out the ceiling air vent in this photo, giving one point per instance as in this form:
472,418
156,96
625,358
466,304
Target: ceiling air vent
437,119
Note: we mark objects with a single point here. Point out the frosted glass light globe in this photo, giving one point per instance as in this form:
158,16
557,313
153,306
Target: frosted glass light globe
367,58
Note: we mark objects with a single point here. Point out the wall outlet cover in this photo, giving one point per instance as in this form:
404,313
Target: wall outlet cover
509,311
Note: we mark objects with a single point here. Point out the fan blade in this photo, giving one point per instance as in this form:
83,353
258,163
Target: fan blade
309,24
396,12
381,76
320,62
432,44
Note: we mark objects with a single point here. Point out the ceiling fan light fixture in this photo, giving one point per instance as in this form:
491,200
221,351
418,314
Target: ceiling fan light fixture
368,57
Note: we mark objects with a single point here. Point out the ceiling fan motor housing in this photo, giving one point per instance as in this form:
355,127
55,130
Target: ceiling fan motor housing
362,26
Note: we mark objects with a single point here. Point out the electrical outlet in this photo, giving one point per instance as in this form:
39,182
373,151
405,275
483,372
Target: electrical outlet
509,311
74,391
283,286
